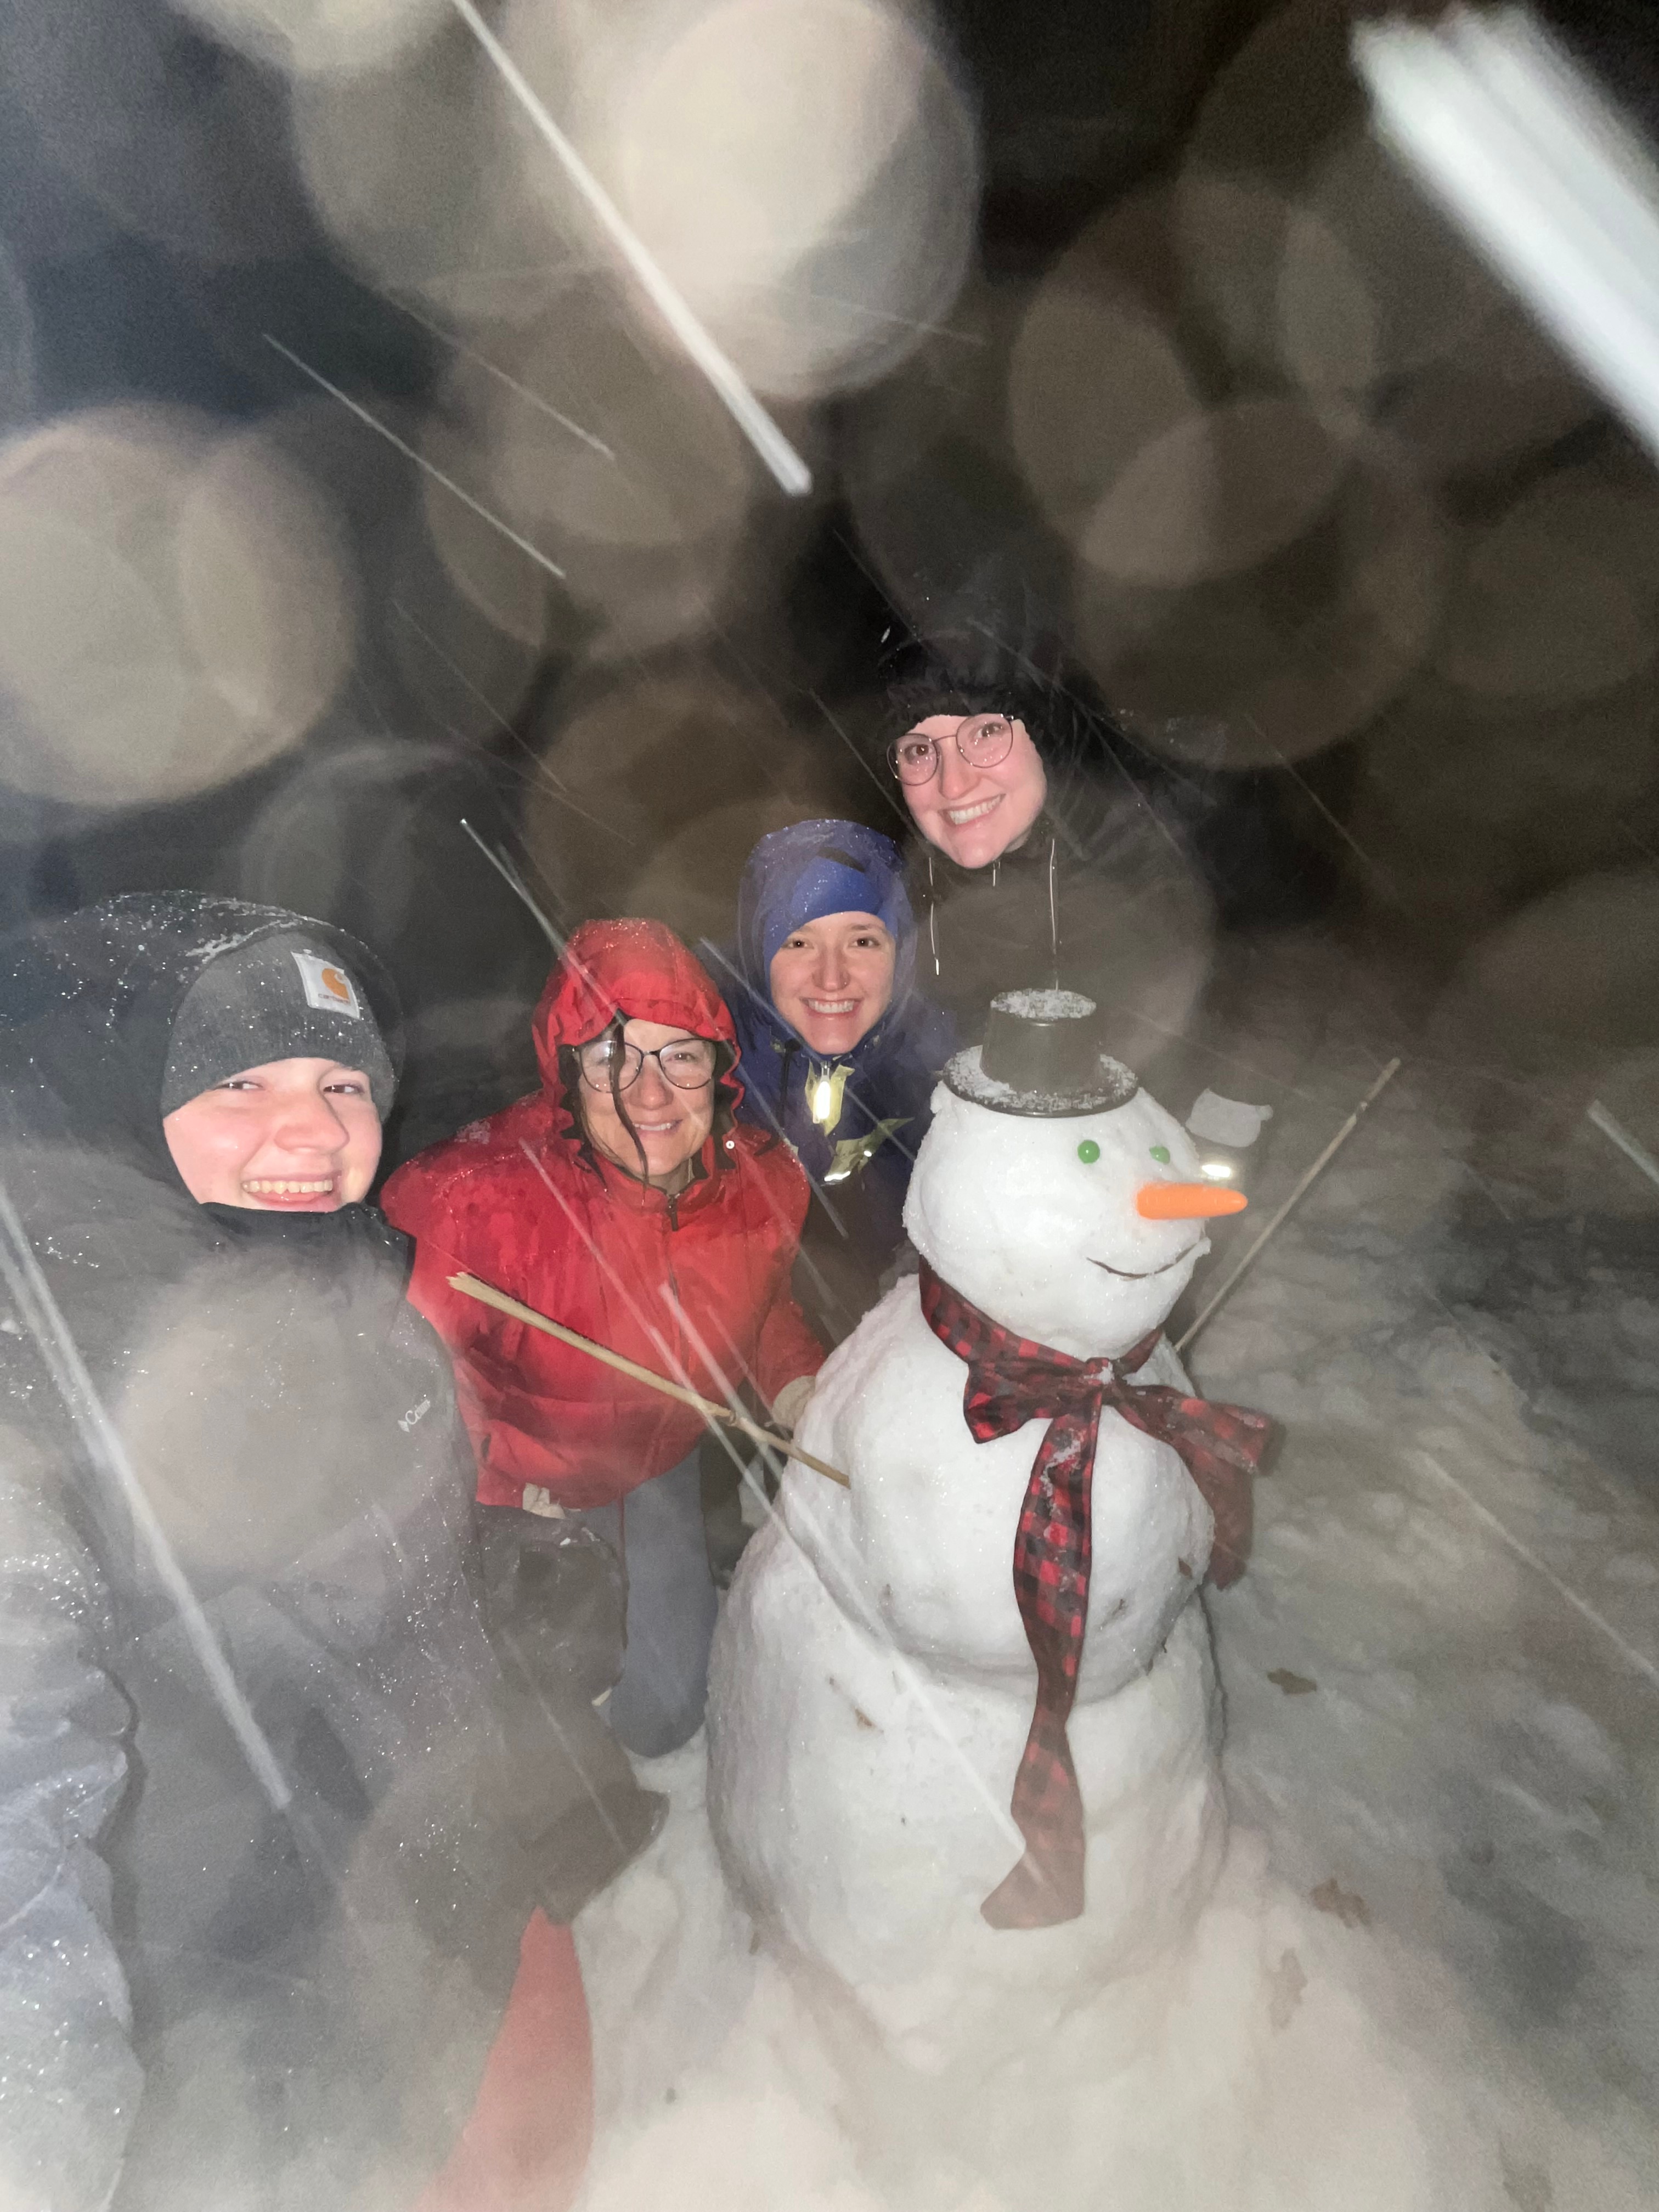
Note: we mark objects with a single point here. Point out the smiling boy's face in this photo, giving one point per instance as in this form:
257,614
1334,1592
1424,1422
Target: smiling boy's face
293,1136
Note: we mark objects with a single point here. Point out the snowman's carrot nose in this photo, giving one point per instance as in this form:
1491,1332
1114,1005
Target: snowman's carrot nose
1186,1202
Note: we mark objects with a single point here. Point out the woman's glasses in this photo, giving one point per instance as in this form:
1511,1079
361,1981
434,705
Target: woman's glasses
688,1063
982,742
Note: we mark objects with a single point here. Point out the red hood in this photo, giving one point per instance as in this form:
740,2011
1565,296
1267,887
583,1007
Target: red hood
637,969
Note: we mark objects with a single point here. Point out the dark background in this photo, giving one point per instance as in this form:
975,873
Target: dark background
1461,781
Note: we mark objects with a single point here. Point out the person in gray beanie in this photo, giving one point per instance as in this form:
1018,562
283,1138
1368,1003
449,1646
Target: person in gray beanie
285,995
288,1844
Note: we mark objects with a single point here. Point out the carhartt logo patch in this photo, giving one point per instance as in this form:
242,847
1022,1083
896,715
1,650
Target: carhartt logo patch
327,986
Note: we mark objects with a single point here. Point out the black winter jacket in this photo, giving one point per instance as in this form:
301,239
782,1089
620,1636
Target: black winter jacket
1101,897
208,2000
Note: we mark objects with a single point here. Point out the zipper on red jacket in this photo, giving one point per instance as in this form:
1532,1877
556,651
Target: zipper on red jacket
681,1344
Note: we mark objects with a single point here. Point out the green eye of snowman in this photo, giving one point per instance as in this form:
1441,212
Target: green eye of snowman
1161,1152
1088,1152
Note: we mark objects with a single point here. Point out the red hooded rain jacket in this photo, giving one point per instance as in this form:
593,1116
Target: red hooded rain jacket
520,1202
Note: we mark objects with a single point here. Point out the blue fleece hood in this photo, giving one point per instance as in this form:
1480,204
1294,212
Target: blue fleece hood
798,875
813,869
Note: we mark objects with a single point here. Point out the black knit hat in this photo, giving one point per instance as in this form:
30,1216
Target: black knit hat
287,995
978,656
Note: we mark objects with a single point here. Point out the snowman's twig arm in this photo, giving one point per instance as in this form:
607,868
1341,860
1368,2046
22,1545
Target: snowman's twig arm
1306,1184
486,1294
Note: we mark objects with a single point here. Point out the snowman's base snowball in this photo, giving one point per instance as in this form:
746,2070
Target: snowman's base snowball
861,1807
1274,2060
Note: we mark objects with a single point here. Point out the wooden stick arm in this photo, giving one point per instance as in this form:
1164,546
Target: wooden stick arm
486,1293
1304,1185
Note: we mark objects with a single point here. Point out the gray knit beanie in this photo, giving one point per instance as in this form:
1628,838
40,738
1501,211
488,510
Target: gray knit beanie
285,996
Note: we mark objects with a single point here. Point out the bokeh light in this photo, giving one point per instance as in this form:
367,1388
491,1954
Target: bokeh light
657,787
661,463
1218,492
417,169
175,607
16,344
509,589
1284,293
465,630
336,837
816,238
307,36
265,586
1315,253
612,457
1094,380
1284,659
1505,395
1559,598
931,471
112,95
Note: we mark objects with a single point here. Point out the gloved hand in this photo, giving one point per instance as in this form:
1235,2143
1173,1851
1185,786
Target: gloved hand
791,1401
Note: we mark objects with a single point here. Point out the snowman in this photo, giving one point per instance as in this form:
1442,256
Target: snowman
962,1716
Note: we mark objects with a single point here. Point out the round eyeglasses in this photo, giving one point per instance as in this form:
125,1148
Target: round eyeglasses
982,741
688,1063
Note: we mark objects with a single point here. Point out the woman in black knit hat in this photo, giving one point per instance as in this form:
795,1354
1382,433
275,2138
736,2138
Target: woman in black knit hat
1049,850
286,1843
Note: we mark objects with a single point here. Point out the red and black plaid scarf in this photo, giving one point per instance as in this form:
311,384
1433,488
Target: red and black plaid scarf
1010,1382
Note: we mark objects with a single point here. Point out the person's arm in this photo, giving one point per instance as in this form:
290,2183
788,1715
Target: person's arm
785,1350
415,1202
69,2081
786,1356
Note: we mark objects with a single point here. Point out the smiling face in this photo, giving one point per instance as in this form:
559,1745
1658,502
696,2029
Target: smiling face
975,814
673,1124
832,980
1035,1221
293,1136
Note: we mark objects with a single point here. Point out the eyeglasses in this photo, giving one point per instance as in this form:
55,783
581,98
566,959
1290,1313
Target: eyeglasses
688,1063
982,742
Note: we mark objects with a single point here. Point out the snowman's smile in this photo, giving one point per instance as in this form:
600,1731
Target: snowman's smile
1126,1275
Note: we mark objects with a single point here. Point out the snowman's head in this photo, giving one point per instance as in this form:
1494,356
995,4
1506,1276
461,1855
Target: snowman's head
1036,1220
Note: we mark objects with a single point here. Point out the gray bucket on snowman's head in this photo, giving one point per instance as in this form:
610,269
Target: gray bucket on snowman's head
1043,1056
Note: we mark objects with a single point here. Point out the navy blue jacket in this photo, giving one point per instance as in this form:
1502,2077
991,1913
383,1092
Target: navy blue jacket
856,1119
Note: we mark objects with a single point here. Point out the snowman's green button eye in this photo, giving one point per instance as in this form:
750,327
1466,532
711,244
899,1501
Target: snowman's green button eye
1161,1152
1088,1152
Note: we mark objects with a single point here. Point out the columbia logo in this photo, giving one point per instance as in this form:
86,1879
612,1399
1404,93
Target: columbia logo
406,1421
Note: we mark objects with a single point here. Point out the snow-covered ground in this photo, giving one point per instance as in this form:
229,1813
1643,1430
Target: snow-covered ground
1429,1977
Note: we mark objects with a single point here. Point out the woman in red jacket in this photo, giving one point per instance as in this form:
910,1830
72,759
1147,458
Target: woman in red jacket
623,1199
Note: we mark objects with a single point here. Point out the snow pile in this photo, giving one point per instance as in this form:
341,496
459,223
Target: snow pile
1289,2058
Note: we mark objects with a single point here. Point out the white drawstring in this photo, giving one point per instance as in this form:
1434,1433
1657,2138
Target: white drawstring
1053,915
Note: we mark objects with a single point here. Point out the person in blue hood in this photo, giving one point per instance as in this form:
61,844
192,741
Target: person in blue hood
840,1051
